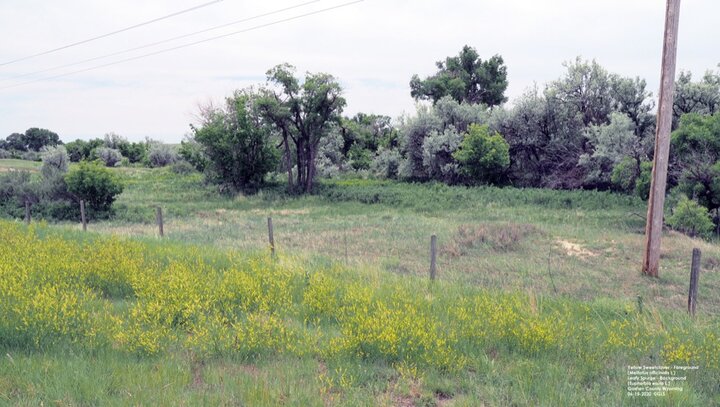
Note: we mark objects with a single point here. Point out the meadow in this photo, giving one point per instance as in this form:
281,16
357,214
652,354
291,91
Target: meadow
579,244
538,301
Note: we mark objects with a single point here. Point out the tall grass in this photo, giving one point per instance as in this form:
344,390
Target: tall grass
185,317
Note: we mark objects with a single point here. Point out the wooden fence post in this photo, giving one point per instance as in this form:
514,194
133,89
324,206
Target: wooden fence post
694,276
82,215
270,237
159,219
28,215
433,256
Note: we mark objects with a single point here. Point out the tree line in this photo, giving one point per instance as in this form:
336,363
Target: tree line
588,129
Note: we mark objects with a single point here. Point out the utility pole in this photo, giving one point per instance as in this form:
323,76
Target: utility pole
656,203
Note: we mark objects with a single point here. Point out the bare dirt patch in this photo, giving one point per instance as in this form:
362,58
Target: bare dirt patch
575,249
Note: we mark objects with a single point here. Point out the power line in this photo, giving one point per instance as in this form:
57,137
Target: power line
111,33
187,45
125,51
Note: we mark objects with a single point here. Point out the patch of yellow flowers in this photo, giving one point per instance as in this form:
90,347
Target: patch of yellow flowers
107,292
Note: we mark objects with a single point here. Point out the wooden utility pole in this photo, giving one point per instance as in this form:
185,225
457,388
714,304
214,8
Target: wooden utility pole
656,203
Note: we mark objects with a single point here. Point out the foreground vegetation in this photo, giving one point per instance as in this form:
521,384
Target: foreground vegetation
165,324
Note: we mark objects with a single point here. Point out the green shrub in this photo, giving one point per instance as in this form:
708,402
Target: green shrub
55,161
690,218
483,156
109,156
95,184
161,155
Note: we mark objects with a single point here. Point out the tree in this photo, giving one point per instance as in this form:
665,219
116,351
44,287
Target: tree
702,97
15,141
413,132
79,150
696,150
436,130
301,113
36,139
236,144
76,150
585,89
483,156
466,78
546,140
193,152
135,152
554,134
438,155
630,98
611,143
368,132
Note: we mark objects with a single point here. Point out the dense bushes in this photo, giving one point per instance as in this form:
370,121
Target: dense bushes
54,193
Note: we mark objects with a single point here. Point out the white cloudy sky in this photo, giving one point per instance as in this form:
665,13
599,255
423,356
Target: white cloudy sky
373,47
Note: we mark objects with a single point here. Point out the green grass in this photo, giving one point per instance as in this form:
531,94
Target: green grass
579,244
7,164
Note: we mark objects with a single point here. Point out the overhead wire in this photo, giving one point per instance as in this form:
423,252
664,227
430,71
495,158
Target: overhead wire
187,45
177,13
152,44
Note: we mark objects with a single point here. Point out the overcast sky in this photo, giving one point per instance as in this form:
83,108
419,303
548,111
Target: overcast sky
372,47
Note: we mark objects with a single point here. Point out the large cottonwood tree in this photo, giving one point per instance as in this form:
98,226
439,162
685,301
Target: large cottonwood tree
466,78
302,113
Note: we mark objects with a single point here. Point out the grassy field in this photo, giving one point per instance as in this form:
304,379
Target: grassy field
579,244
11,164
539,300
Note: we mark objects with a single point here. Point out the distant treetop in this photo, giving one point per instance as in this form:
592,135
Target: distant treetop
466,78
